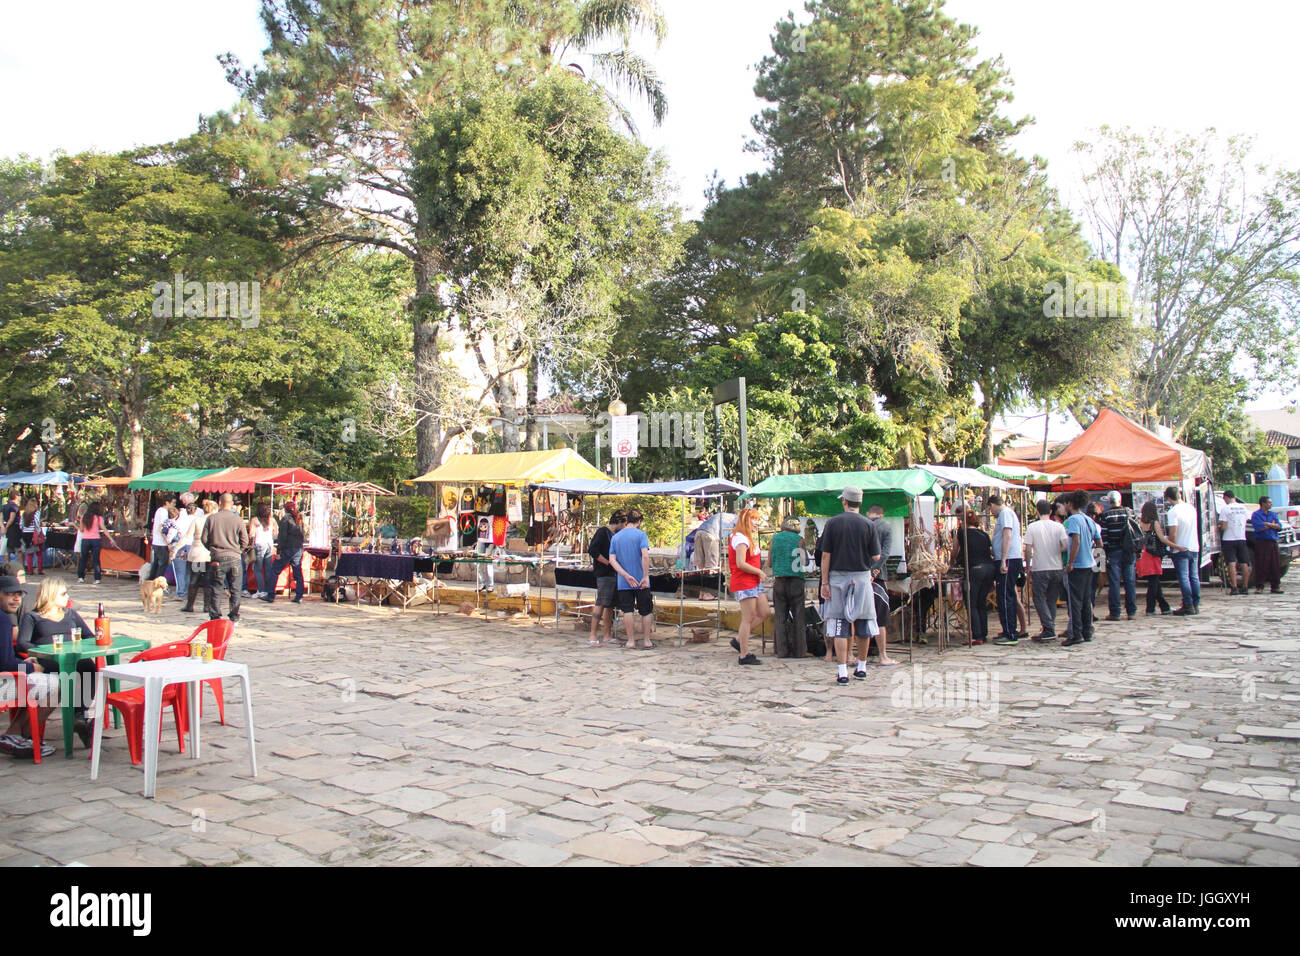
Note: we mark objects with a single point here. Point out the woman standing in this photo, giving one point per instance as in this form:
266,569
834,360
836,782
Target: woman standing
29,526
1150,563
262,530
199,559
744,561
92,531
288,543
973,551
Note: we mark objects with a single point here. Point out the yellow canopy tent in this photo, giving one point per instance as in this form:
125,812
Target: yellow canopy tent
514,468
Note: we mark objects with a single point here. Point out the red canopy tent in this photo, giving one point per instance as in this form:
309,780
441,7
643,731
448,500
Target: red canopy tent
1115,452
243,481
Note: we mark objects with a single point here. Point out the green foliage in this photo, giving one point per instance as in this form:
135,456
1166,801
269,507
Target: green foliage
663,516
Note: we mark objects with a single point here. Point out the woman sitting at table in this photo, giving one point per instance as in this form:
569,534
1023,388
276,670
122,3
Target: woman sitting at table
39,686
50,618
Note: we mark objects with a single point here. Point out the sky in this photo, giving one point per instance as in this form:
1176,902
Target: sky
82,74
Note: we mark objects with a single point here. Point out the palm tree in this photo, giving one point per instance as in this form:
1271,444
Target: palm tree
595,22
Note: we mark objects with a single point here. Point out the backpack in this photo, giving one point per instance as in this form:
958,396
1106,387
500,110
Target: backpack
815,632
1132,540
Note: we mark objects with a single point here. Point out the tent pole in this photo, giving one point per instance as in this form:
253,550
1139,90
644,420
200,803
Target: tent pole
681,579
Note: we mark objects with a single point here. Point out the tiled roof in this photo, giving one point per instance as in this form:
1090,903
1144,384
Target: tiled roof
1282,439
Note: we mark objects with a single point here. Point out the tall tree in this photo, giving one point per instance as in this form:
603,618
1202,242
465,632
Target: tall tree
1211,246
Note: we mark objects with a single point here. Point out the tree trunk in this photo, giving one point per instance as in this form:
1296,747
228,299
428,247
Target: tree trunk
135,441
428,446
987,413
530,409
507,408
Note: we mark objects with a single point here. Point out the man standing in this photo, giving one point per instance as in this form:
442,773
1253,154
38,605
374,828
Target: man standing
1232,535
1008,555
1083,532
1180,524
849,548
788,591
1045,543
879,573
225,535
602,616
1119,533
1268,563
159,550
180,560
629,556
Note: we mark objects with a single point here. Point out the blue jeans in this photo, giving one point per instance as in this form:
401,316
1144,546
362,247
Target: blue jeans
293,561
1188,566
181,568
1121,568
262,564
89,556
158,559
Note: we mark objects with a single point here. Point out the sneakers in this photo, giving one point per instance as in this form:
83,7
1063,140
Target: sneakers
1006,640
1072,642
749,659
1276,591
260,594
81,580
1042,637
16,746
1112,617
735,644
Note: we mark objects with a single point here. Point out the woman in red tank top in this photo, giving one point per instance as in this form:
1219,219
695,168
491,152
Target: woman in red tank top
744,561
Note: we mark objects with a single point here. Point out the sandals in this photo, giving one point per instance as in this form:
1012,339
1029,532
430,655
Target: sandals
648,646
593,643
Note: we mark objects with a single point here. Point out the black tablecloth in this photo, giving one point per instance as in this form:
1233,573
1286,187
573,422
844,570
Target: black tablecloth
584,578
60,540
394,567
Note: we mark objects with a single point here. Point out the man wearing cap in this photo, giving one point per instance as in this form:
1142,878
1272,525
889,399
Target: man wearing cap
33,684
1121,564
1232,535
849,546
788,561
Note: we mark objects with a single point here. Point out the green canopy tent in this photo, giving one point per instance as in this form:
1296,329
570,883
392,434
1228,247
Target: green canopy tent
820,494
172,479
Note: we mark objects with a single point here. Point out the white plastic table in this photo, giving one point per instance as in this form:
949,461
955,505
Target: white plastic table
155,675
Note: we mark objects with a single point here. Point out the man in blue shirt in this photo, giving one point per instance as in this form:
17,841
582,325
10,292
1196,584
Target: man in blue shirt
1268,562
1008,555
629,556
1082,531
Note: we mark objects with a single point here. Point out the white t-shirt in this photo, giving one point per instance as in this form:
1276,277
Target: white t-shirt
1046,539
1182,519
1235,514
159,517
184,521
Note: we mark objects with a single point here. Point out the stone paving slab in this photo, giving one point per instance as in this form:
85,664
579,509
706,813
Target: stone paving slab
411,738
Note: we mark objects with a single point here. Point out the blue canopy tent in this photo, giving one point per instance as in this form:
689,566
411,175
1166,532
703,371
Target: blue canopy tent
690,488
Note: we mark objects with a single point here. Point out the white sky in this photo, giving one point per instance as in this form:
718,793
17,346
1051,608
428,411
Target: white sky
81,74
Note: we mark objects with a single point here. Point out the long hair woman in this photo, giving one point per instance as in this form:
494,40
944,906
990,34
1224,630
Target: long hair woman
1150,563
744,561
262,529
92,530
51,617
29,525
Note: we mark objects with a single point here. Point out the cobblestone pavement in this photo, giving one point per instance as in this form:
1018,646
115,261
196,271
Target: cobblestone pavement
387,736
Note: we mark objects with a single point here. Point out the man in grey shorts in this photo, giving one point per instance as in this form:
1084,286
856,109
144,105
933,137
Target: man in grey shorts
849,546
602,617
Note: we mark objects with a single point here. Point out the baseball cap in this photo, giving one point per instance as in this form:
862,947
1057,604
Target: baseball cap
852,494
9,585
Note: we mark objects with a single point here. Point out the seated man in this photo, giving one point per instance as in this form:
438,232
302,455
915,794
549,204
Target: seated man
39,686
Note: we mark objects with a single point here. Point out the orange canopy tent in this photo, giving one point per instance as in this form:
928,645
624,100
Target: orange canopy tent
1115,452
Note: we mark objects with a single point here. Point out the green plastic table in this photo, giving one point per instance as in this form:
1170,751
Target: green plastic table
66,663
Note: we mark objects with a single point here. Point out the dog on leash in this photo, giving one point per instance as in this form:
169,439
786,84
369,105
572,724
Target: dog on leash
151,594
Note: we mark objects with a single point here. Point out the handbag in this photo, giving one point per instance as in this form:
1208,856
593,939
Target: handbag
1147,565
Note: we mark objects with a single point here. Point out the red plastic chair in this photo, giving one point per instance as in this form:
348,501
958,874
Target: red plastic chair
24,700
130,703
218,634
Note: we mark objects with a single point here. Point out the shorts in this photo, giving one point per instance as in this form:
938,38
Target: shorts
1236,552
865,628
749,593
642,599
607,591
851,597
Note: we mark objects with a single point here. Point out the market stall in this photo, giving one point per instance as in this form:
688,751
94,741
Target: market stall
909,500
575,571
1115,452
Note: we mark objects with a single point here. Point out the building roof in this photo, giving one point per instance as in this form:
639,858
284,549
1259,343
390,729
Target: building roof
1282,439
